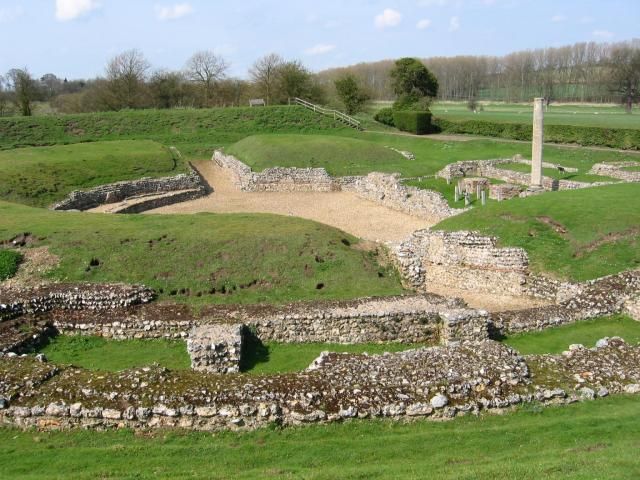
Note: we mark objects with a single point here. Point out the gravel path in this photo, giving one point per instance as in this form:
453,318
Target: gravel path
343,210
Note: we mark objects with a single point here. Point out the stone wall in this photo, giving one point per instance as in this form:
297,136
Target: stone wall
387,190
216,348
504,191
157,201
437,382
117,192
16,302
616,170
407,319
632,308
384,189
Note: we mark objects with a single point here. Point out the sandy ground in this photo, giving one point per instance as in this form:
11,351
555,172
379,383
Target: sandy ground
343,210
489,302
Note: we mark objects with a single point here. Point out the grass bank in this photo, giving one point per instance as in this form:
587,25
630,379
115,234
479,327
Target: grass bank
41,176
206,258
575,235
585,440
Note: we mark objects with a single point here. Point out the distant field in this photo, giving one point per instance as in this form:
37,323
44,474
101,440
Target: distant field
587,440
580,115
40,176
207,258
578,235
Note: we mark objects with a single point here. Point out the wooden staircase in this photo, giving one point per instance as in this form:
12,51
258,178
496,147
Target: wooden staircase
337,115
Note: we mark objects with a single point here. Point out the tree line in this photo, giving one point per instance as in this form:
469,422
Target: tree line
583,72
588,72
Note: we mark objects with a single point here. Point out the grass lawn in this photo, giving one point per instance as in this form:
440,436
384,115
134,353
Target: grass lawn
368,154
597,439
586,332
40,176
207,258
9,262
608,116
98,353
275,357
577,235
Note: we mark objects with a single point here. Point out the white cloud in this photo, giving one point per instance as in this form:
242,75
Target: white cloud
71,9
454,24
173,12
388,18
603,34
586,19
10,14
320,49
558,18
423,24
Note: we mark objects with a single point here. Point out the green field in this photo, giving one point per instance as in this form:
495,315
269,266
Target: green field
608,116
98,353
368,153
206,258
577,235
597,439
586,332
43,175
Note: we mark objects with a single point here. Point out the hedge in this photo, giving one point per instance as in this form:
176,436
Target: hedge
385,115
9,261
623,138
412,121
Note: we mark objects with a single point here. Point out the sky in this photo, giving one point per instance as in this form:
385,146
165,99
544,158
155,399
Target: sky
76,38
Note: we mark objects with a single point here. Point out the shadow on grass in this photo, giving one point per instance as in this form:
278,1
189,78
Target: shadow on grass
254,352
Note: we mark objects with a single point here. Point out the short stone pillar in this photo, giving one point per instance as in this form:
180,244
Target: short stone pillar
472,185
216,348
464,325
537,141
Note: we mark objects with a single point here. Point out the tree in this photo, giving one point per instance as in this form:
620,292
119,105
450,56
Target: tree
206,69
350,93
24,89
625,74
412,81
294,80
264,74
4,97
126,74
167,89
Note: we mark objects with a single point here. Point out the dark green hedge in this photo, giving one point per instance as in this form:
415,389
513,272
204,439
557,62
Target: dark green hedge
9,261
412,121
385,115
627,139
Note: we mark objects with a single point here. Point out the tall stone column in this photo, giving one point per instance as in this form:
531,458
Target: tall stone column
537,141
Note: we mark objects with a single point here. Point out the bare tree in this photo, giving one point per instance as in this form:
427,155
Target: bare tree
126,74
207,69
4,98
625,74
264,75
24,89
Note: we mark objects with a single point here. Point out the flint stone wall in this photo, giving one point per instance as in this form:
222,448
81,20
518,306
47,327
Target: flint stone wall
632,308
117,192
616,170
408,319
161,201
16,302
384,189
216,348
504,191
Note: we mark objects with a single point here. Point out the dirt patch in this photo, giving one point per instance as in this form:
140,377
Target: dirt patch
343,210
556,226
488,301
608,238
35,263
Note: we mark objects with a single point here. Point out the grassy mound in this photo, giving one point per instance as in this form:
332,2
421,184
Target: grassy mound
9,261
206,258
98,353
263,151
585,440
41,176
194,132
576,235
587,332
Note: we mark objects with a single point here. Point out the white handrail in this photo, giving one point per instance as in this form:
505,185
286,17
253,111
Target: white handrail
326,111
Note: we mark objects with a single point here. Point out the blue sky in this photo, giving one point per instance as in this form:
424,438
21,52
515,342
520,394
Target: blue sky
75,38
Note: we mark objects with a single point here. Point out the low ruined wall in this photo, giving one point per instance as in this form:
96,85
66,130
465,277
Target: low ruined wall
117,192
216,348
387,190
410,319
16,302
275,179
616,170
604,296
163,201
